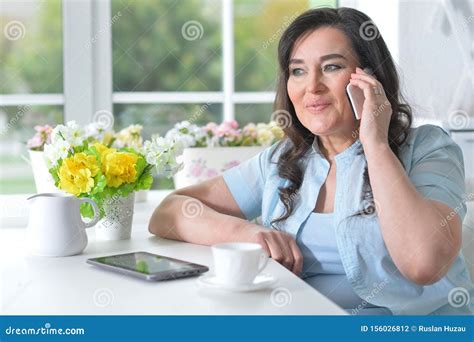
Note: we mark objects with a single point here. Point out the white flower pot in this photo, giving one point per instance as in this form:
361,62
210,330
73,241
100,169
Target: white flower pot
43,180
117,222
201,163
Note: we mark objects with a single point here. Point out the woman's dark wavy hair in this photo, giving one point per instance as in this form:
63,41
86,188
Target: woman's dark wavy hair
371,52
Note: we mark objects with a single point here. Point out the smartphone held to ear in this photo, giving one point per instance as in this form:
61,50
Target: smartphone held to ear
356,99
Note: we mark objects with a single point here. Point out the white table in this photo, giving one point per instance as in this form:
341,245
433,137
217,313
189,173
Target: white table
33,285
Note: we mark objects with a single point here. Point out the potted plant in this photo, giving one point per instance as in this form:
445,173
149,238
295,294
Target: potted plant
108,175
212,149
43,180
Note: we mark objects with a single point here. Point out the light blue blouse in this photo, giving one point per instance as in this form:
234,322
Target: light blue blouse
317,242
433,163
322,266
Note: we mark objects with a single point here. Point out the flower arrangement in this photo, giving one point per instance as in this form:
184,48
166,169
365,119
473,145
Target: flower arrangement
98,164
227,134
41,137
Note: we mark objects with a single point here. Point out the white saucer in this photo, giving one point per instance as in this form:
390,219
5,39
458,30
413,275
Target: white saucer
260,282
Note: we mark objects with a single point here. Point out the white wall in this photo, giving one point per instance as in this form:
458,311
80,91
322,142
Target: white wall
432,41
436,53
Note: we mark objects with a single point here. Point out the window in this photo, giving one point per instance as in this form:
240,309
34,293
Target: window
31,71
257,28
153,63
166,45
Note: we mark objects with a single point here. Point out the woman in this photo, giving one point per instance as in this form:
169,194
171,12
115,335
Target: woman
367,211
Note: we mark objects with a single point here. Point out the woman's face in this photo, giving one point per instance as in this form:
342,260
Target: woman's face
320,68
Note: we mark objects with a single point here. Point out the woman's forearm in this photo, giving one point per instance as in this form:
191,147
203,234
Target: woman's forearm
184,218
411,225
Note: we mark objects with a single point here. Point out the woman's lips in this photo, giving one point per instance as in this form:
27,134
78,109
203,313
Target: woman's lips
317,109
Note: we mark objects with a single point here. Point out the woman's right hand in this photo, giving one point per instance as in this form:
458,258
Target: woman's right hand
280,246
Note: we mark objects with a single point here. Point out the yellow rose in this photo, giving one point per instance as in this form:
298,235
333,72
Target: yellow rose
76,173
87,161
119,167
103,151
101,148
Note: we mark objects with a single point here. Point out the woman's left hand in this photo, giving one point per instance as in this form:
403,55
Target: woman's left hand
376,112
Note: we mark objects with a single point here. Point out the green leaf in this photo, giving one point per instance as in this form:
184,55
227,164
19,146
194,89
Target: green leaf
141,164
87,210
54,171
126,189
145,182
100,183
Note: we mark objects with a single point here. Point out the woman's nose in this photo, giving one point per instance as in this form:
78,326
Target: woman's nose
315,84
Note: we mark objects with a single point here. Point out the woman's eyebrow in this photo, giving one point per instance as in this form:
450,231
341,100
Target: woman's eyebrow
331,56
322,58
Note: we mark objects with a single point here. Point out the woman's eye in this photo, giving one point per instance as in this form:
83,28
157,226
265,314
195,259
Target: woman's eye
331,67
297,72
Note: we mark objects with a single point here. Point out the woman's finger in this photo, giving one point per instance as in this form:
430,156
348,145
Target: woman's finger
366,78
297,256
276,251
367,88
263,242
288,259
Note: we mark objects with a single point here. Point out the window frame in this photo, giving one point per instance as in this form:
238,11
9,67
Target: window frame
228,97
88,69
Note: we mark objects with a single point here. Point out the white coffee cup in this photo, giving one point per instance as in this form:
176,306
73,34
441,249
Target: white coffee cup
238,263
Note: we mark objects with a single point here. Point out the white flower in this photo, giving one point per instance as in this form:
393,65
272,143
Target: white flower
71,132
96,131
130,137
58,133
186,139
93,130
183,124
264,137
189,135
56,151
162,153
